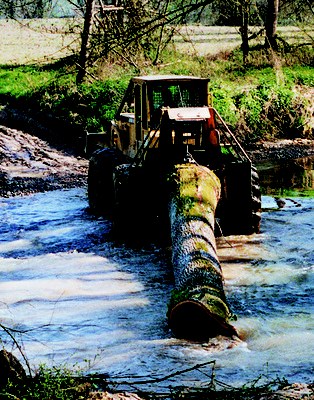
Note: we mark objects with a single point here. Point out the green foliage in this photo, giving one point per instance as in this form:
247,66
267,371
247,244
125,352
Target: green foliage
269,112
18,81
300,75
102,100
89,105
55,383
224,103
266,103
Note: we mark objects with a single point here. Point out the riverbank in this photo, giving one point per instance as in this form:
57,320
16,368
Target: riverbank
289,392
59,381
30,165
284,149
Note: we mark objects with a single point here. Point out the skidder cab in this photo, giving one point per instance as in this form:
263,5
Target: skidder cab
166,114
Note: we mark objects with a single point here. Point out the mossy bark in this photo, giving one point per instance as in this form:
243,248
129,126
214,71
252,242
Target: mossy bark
198,308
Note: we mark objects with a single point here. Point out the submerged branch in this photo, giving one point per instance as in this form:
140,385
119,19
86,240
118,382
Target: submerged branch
165,377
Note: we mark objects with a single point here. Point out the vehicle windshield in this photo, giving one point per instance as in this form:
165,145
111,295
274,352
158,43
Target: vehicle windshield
183,94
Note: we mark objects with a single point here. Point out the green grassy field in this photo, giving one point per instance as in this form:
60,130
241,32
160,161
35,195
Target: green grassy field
41,41
211,40
36,41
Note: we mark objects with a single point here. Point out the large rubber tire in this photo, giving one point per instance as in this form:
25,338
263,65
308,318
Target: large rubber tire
100,180
256,201
238,212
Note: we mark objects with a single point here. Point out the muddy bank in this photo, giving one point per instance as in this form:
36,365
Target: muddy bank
285,149
29,165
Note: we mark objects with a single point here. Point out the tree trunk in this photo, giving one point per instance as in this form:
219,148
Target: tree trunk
88,19
11,10
245,31
39,10
271,24
198,308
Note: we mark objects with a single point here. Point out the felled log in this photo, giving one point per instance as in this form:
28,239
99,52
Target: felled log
198,308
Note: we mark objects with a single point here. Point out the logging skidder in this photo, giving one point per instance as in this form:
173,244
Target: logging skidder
171,163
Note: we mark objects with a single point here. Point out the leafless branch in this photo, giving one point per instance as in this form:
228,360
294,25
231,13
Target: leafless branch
8,331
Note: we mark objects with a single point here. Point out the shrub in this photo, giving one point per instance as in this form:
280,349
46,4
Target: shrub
272,112
89,105
56,383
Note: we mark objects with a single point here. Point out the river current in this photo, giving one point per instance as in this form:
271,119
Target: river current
74,296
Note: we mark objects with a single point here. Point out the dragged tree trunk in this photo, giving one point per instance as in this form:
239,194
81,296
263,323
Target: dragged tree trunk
198,308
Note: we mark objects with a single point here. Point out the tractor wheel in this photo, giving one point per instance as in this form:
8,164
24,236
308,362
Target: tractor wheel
100,180
256,201
240,206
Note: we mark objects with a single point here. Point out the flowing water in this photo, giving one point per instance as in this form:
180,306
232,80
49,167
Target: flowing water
75,296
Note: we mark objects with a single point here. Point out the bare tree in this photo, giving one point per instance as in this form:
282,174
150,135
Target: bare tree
244,28
88,20
133,29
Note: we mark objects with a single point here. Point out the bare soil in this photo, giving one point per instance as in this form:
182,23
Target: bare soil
29,165
284,149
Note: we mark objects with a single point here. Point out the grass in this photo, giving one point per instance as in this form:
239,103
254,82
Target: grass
289,192
50,383
19,81
37,41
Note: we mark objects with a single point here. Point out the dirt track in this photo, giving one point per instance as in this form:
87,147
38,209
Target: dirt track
28,165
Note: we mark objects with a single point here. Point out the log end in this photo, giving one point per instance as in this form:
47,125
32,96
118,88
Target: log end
191,320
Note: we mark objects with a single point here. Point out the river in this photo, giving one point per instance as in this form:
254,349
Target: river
74,296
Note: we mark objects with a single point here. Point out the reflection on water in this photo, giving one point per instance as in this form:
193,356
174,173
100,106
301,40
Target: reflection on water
75,294
278,177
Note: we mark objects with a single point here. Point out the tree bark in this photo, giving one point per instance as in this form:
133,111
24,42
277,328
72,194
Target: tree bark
271,24
245,31
88,19
198,308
